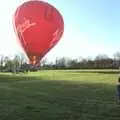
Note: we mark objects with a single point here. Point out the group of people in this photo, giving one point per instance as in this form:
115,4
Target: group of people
24,68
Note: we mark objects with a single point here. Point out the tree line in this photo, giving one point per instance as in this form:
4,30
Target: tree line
19,62
100,62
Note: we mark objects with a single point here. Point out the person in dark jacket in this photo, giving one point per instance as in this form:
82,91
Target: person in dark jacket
118,91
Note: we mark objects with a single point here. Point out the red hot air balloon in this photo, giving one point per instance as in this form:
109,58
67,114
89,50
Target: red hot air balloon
39,26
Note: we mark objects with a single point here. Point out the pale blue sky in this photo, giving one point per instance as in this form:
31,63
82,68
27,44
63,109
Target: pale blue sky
92,27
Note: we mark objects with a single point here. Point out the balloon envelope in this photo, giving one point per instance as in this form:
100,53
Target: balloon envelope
39,26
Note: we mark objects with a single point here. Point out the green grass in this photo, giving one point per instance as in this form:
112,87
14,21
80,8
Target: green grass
59,95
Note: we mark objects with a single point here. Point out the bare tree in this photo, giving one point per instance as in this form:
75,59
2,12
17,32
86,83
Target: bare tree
44,62
1,62
116,61
23,59
101,60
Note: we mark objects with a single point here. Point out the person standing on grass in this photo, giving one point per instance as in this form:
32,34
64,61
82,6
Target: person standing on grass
118,91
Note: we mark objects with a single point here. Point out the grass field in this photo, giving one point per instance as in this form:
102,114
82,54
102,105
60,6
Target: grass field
59,95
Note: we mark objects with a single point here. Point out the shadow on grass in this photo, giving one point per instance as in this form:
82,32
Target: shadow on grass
35,98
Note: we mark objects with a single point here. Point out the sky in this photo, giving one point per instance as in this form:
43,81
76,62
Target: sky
92,27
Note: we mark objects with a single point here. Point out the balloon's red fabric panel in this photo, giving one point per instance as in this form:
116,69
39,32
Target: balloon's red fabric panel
39,27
